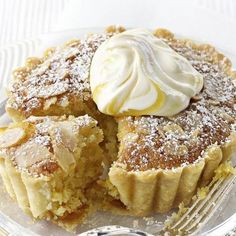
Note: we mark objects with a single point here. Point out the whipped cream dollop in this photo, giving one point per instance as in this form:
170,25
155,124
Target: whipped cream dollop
135,73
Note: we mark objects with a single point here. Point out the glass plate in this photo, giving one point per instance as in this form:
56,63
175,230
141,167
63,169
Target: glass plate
15,222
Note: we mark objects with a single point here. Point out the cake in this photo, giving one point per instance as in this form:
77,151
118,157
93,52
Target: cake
165,151
47,164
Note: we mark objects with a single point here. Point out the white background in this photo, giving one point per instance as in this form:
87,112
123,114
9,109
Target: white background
20,19
22,23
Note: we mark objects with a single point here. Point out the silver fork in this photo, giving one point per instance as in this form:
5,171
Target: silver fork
201,210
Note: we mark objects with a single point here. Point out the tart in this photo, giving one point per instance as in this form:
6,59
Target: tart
161,160
47,164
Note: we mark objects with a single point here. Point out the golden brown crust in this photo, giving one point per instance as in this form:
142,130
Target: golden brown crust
56,83
217,57
150,191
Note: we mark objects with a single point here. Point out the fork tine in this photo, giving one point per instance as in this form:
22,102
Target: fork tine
210,207
203,203
221,200
192,208
197,213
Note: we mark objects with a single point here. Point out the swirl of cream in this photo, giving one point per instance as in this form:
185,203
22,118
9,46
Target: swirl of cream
135,73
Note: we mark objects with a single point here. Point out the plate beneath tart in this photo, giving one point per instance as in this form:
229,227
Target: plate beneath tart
15,222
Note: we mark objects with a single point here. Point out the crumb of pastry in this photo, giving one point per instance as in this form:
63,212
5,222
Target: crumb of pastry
224,170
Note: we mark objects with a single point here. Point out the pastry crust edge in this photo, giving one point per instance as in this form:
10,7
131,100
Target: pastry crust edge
158,190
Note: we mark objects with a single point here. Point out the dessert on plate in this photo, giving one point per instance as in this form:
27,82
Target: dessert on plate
173,101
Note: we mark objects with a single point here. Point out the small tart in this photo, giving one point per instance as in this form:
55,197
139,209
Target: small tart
162,160
48,171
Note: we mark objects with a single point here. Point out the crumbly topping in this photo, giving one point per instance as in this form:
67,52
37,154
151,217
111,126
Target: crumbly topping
182,139
42,133
35,154
65,73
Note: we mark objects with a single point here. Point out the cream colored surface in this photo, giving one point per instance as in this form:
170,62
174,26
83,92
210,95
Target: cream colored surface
136,73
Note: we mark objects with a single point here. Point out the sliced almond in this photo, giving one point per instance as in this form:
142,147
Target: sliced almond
182,150
213,102
227,117
69,138
11,137
53,90
31,153
64,157
43,68
64,143
63,132
171,148
196,133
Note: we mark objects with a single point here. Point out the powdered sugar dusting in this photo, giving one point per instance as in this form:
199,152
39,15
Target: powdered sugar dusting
43,125
182,139
65,72
35,154
158,142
